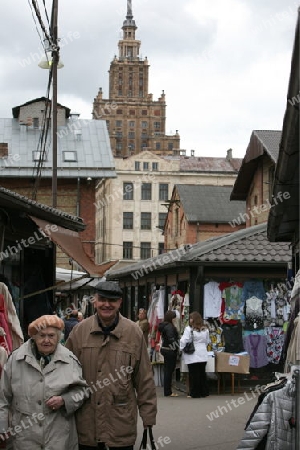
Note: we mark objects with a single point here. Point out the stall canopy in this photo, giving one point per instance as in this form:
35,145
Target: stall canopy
70,243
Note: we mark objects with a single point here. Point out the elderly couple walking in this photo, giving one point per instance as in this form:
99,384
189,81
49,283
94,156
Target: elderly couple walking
82,396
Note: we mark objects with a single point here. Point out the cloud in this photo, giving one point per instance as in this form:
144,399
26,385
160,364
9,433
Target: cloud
224,64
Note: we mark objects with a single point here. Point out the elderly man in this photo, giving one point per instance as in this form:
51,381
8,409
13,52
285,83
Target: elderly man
41,388
116,365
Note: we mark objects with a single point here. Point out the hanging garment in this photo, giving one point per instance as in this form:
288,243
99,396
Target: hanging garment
293,350
275,341
271,422
256,346
254,314
234,305
212,300
253,288
12,318
233,337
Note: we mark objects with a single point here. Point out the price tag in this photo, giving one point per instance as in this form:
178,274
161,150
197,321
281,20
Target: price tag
234,360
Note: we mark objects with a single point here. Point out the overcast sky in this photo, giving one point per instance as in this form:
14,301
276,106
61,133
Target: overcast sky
224,64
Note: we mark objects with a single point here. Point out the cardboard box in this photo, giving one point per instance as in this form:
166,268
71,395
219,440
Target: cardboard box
230,362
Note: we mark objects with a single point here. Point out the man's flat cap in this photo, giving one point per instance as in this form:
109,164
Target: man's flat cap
109,289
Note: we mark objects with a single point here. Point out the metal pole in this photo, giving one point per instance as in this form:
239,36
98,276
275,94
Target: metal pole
297,409
55,59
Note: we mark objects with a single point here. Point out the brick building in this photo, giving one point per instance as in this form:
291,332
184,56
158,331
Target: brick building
84,156
197,213
254,182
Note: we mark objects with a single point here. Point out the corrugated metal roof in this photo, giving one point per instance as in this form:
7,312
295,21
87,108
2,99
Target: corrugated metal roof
89,140
209,204
249,246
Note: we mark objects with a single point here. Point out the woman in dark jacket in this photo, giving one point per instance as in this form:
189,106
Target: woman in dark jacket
169,350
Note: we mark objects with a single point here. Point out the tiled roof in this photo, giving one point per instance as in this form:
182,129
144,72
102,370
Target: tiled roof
261,142
31,207
270,139
209,164
89,139
249,246
209,204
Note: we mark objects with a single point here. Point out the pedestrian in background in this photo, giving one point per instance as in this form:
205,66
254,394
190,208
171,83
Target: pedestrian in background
41,388
70,322
116,365
196,361
143,323
169,350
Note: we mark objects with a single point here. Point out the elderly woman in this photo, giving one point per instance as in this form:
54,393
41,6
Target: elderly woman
41,388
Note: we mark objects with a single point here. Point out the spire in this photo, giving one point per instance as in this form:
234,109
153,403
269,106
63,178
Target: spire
129,17
129,10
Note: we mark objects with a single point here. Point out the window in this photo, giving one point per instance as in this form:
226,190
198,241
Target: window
161,220
154,166
128,191
132,112
145,221
157,125
119,111
144,124
120,92
130,95
36,122
118,145
137,165
163,193
143,145
107,124
131,123
146,191
145,250
170,145
127,250
145,166
127,220
119,134
157,145
118,123
161,248
144,112
131,134
70,156
157,112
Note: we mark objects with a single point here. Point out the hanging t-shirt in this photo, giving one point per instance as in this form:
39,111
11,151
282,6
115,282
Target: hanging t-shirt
234,305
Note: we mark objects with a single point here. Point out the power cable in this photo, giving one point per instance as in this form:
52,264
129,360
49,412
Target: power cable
38,15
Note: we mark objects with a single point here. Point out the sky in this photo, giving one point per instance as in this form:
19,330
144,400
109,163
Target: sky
224,65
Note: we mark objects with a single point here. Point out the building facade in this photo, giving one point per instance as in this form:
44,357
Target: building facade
131,209
83,157
134,120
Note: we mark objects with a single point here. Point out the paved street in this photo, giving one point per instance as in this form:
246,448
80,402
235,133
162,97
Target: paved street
182,422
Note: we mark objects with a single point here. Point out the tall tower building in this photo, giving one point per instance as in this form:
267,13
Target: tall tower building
134,120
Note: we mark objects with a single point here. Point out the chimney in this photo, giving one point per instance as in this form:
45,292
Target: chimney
229,154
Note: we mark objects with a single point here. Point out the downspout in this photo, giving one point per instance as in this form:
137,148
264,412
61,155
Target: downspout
78,198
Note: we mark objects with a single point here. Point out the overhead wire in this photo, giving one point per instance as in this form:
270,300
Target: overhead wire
43,140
